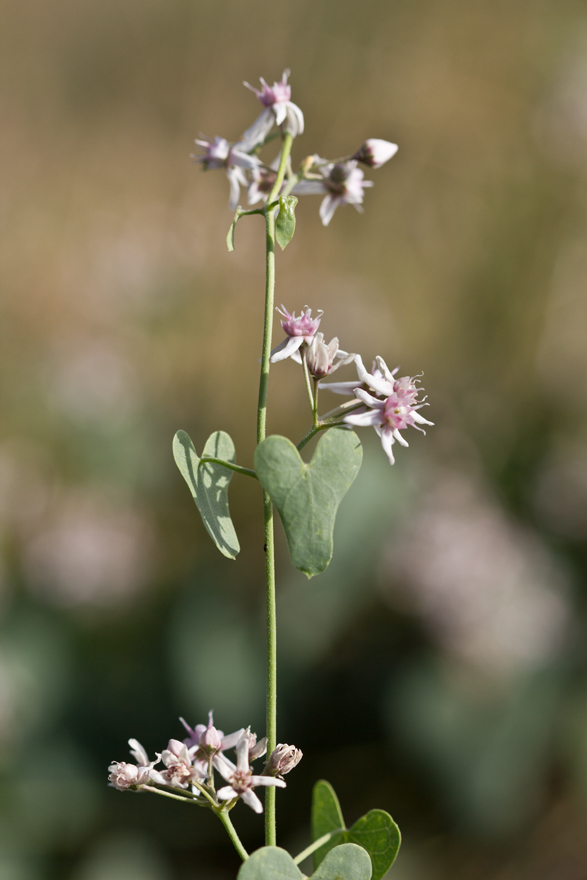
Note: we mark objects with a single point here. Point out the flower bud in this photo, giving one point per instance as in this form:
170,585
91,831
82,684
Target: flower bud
210,741
283,759
375,152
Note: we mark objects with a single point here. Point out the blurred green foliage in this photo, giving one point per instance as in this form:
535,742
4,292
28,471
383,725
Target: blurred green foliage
437,670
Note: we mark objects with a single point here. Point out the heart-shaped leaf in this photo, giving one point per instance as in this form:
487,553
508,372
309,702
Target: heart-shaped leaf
208,484
345,862
269,863
326,816
307,496
379,835
376,832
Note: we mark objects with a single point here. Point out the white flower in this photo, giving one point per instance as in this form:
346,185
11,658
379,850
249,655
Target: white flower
180,771
395,409
240,778
204,740
343,184
375,152
283,760
320,357
123,776
279,109
219,153
298,331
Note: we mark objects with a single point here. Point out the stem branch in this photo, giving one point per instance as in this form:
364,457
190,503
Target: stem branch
231,831
248,472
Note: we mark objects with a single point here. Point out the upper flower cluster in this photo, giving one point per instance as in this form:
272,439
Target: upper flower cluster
341,182
188,766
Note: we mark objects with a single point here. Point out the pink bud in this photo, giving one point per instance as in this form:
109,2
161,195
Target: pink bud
375,152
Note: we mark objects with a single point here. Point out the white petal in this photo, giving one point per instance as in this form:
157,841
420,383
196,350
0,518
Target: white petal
257,132
286,348
243,160
230,741
401,440
389,374
268,780
363,420
369,399
294,124
309,188
420,419
252,801
225,767
381,386
138,752
280,112
227,793
157,778
235,190
328,207
387,443
341,387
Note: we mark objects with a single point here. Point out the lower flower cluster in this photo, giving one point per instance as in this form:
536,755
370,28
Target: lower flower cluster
188,767
381,400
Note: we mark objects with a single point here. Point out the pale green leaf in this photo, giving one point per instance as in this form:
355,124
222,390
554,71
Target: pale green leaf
346,862
326,817
269,863
376,832
307,496
379,835
208,484
285,225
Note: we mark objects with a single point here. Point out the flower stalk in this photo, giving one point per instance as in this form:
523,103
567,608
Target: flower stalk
269,545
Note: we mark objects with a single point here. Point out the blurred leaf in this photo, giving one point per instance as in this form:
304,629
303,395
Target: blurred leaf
208,484
345,862
285,225
375,832
268,863
307,496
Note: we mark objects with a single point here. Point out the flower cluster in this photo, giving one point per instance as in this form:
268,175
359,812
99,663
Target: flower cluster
188,767
341,182
380,400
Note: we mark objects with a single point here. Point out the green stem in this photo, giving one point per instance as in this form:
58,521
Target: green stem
316,845
321,426
315,404
175,797
228,464
307,378
271,705
231,831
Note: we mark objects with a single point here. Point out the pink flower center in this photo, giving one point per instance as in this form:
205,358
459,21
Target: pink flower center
302,326
396,413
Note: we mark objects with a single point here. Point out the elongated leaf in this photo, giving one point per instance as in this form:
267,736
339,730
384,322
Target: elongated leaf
269,863
208,484
307,496
230,236
326,817
285,225
376,832
345,862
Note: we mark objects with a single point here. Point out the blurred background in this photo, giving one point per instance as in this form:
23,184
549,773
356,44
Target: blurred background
438,669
